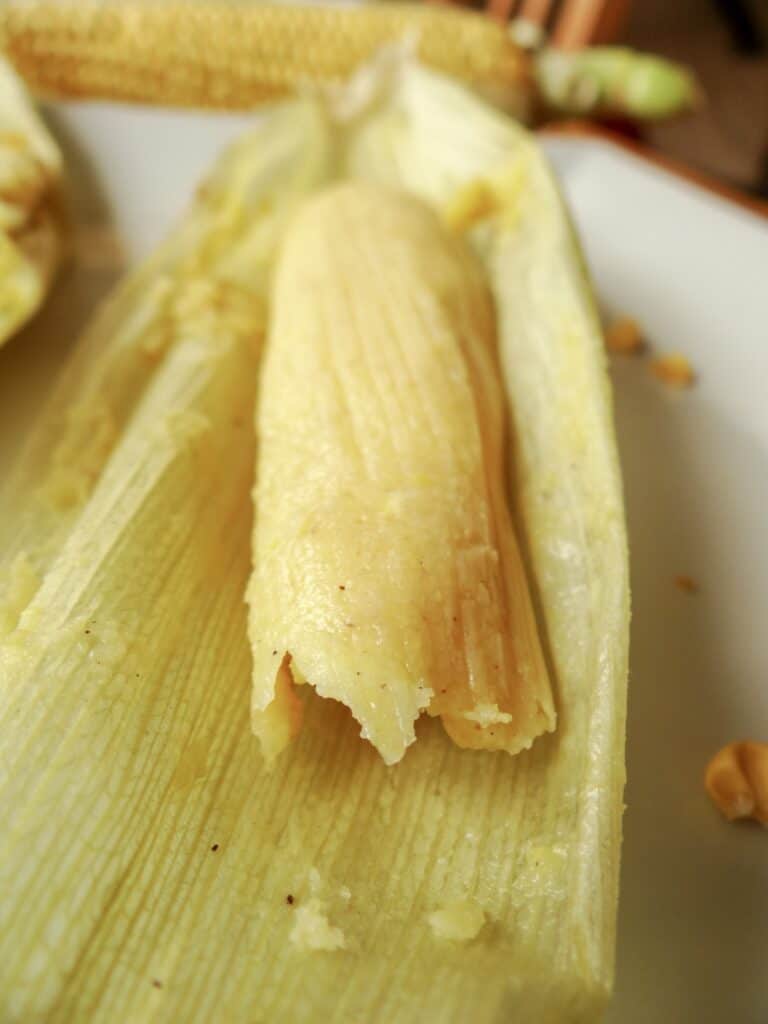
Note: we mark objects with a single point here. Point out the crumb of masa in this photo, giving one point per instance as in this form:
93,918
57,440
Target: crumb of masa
460,921
312,931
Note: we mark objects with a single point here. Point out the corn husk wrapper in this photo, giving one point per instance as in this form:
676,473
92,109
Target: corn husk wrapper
149,856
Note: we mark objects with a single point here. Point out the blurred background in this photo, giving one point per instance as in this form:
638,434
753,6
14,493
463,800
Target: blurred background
726,43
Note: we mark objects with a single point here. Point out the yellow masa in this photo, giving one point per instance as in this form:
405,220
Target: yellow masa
386,569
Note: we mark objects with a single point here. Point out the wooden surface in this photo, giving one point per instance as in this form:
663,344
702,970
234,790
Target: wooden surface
728,136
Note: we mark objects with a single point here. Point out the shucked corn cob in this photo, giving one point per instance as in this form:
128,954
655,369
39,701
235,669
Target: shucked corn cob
211,54
387,572
30,218
152,869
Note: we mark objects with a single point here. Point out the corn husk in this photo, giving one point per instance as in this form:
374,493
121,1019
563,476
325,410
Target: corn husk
153,868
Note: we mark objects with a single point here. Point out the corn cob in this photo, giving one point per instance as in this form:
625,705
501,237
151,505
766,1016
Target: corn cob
153,869
30,219
205,54
208,54
387,572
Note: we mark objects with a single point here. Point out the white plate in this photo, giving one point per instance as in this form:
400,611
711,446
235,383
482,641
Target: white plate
693,926
693,268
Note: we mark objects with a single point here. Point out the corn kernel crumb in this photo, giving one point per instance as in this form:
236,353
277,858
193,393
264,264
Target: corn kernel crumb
737,781
674,370
471,203
481,199
624,337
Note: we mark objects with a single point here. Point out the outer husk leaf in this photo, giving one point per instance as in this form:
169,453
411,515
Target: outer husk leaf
117,906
